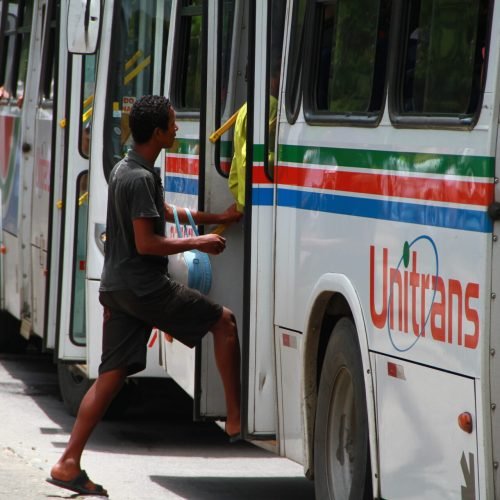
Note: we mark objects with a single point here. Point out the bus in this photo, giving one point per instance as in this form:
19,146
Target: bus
48,269
363,274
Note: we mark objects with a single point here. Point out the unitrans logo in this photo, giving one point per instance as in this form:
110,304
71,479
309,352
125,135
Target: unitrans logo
410,300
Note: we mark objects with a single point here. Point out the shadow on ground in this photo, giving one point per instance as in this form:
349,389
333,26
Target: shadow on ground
159,419
242,488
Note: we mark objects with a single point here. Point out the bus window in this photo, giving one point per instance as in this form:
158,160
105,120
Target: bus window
77,326
276,28
135,28
223,148
349,59
186,91
443,58
22,50
293,88
225,48
15,48
89,69
49,54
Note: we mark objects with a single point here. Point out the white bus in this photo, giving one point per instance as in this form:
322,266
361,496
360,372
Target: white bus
363,275
50,254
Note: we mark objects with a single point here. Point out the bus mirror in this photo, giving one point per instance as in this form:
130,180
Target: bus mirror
84,20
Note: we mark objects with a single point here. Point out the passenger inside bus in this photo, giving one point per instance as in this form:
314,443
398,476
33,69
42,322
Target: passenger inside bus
236,180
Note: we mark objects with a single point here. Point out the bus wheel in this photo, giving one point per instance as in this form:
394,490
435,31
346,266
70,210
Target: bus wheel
73,385
11,340
341,449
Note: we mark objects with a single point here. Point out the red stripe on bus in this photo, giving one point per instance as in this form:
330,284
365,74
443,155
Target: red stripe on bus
443,190
6,140
182,165
259,175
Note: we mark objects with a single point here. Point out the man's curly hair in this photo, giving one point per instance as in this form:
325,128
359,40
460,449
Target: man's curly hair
148,113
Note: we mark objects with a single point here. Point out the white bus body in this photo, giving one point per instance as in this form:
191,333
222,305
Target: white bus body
363,276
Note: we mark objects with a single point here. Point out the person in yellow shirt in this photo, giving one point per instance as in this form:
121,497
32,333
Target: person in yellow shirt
237,174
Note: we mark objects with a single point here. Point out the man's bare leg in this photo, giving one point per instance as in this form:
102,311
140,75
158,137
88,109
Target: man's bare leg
92,409
227,357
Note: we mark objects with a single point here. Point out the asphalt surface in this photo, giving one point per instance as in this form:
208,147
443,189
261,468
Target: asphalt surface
154,451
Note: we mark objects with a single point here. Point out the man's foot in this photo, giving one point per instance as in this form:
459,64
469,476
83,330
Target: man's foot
233,431
80,484
234,438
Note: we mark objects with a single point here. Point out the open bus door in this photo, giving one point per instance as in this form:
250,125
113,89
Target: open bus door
196,171
69,311
262,131
130,65
196,176
103,89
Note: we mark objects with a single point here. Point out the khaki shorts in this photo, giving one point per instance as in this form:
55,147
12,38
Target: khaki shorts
183,313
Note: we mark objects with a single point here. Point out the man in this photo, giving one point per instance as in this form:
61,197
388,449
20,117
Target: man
136,292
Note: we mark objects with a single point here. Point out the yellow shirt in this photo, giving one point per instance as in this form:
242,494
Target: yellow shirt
237,174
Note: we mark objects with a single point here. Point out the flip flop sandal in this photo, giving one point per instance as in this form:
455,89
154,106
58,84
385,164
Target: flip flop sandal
78,485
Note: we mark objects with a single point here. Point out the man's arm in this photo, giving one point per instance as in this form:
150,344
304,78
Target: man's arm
230,215
149,243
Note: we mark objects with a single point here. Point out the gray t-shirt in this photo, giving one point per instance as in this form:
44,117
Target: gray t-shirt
135,191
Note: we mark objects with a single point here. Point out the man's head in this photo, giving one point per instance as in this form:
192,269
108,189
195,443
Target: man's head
151,116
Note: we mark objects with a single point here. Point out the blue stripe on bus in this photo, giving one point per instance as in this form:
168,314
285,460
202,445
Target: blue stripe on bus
453,218
174,184
263,196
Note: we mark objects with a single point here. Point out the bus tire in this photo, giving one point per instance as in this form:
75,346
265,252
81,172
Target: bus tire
11,340
341,447
73,385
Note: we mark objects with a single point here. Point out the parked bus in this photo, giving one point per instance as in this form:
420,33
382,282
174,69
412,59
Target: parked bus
48,98
362,276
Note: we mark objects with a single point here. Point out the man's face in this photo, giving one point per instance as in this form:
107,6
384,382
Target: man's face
172,128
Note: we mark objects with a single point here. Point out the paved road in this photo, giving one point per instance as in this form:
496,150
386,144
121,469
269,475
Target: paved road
155,451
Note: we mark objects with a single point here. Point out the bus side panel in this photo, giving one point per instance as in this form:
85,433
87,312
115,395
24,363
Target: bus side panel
421,295
40,215
10,155
417,411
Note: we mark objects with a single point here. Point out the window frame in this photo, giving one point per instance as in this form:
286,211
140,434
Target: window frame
313,35
49,64
294,75
401,119
219,109
180,52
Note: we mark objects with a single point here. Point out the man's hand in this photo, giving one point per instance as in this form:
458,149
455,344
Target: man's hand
231,214
211,243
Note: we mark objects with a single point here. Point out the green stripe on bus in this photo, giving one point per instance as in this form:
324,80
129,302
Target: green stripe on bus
424,163
190,147
226,149
185,147
258,153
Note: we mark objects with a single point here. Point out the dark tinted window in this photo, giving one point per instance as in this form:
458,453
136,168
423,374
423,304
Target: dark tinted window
292,101
349,57
187,84
15,48
443,56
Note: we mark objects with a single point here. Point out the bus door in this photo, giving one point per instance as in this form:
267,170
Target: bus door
43,95
35,168
185,80
259,345
16,19
206,91
71,345
131,63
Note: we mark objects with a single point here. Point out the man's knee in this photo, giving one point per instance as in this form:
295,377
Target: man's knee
226,324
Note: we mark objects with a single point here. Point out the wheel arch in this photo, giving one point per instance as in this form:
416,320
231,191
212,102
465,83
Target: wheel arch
332,298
